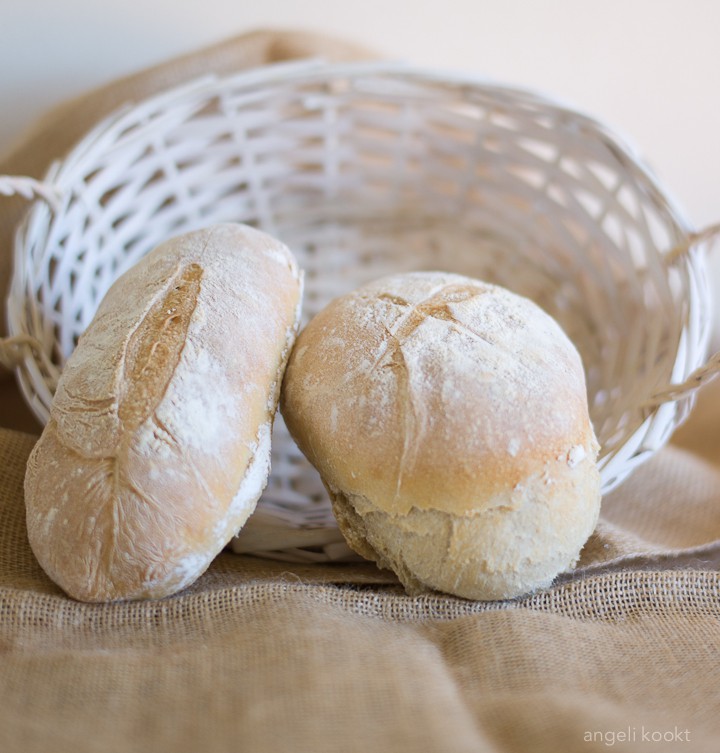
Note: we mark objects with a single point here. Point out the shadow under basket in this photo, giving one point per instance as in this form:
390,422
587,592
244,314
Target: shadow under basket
365,170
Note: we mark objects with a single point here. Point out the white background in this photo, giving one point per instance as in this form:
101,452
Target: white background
648,68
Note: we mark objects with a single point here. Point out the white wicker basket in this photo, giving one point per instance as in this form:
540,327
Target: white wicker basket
372,168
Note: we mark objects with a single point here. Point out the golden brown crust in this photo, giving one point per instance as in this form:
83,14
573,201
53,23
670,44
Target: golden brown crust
434,391
158,442
498,553
440,409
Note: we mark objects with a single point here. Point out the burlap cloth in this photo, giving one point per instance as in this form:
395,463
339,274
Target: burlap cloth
621,654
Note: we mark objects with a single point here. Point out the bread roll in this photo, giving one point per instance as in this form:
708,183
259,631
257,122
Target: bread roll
448,419
158,443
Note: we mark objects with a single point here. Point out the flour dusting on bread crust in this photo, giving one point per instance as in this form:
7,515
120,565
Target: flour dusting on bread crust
159,431
436,408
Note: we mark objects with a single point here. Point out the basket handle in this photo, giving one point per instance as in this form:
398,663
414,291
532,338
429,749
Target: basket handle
711,368
30,189
14,349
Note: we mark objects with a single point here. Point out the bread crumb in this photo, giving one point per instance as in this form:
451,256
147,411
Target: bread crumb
575,455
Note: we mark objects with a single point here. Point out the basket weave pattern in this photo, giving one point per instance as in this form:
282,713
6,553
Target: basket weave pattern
367,169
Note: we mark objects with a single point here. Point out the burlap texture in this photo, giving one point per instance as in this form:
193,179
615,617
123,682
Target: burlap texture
620,654
262,656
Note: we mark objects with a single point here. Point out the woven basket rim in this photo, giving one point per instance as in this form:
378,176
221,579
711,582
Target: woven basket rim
193,96
316,68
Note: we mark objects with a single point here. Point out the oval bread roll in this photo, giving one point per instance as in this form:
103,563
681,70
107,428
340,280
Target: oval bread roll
448,419
158,443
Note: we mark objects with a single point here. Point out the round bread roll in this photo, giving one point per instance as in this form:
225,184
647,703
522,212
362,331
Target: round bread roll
448,419
158,443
